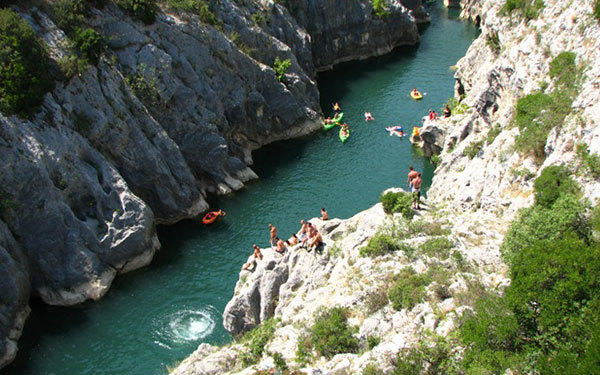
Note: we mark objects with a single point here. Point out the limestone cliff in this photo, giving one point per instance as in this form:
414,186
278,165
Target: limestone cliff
170,114
478,187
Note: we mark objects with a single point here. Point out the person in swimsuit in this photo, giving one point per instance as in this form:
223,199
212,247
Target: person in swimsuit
315,241
273,233
411,176
257,253
416,191
293,240
447,112
280,248
324,214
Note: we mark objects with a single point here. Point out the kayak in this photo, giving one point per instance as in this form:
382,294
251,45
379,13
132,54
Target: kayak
329,126
338,117
211,217
416,96
343,137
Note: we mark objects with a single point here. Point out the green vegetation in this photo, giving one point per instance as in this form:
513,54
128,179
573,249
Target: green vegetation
591,162
528,9
331,335
280,67
397,202
379,244
437,247
492,134
24,66
473,149
371,369
257,339
428,228
408,289
429,357
380,8
538,113
597,9
200,8
144,84
493,41
435,159
457,107
552,183
548,320
373,341
89,43
141,10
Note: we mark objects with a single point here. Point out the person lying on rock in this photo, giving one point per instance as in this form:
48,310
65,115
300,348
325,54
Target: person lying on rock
324,214
293,240
280,246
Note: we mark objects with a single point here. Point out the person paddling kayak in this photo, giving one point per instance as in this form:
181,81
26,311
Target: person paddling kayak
336,107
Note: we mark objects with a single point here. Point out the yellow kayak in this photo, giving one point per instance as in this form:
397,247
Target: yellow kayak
416,96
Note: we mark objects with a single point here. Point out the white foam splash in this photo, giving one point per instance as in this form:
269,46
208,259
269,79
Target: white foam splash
185,326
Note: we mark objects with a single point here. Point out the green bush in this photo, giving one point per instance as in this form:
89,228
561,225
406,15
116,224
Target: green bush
457,107
541,223
280,67
429,357
428,228
142,10
24,66
89,43
69,14
437,247
199,7
473,149
493,41
379,244
380,8
553,182
331,335
257,339
371,369
492,134
398,202
408,289
435,159
597,9
591,162
373,341
528,9
563,69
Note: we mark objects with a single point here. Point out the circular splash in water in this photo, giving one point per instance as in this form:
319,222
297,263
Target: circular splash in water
185,326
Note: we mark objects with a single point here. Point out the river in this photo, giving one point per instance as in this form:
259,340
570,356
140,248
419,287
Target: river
154,317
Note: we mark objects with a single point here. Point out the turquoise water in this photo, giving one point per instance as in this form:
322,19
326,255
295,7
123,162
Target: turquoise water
154,317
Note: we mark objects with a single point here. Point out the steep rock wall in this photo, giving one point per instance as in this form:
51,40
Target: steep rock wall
89,175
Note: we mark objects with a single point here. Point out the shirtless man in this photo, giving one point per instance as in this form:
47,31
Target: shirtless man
315,241
310,229
293,240
416,191
303,231
324,214
257,253
280,245
273,233
412,174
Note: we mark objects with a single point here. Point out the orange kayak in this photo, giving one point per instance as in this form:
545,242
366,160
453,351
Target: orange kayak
211,217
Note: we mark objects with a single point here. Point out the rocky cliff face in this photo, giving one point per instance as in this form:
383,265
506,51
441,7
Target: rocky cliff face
171,113
478,187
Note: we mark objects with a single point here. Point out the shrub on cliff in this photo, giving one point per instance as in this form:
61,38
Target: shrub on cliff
88,43
200,8
257,339
142,10
397,202
280,67
379,244
590,161
408,289
24,66
380,8
528,9
331,334
553,182
597,9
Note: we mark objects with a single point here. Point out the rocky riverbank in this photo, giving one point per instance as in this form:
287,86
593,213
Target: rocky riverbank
482,180
171,113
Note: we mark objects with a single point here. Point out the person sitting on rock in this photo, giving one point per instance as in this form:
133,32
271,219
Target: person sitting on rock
273,233
310,229
324,214
316,241
293,240
280,245
302,234
447,112
257,253
249,264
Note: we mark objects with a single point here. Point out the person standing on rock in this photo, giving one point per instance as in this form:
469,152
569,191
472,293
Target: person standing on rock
412,174
416,191
257,253
273,233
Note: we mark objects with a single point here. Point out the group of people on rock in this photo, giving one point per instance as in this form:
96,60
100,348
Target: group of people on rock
414,182
308,237
447,112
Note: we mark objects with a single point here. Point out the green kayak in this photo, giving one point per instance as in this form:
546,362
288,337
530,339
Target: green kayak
344,137
336,121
